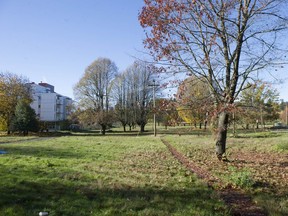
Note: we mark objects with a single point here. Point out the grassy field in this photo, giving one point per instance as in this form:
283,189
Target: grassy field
258,165
88,174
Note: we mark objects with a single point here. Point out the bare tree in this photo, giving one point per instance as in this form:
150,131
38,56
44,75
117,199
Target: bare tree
120,94
137,93
94,88
221,41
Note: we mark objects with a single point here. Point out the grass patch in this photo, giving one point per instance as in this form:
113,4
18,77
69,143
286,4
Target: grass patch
10,139
263,134
282,146
257,164
276,205
97,175
239,178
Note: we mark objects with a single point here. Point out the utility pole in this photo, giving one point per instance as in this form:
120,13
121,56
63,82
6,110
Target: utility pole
286,113
154,106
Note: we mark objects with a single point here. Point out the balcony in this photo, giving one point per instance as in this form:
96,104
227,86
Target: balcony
58,110
59,102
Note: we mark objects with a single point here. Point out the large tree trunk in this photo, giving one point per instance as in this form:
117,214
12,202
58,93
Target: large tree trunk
142,128
222,134
103,129
124,126
205,124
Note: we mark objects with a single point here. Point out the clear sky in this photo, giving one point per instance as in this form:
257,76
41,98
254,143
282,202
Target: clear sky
55,40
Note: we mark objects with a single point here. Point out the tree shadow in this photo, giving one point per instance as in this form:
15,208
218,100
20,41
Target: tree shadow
258,135
29,197
176,131
41,151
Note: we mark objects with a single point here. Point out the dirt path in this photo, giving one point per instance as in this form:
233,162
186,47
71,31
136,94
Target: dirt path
240,203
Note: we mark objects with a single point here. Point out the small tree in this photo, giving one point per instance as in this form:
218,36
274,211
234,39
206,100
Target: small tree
166,112
105,119
25,118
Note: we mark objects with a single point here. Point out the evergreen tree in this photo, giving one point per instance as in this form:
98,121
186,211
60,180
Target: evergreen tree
25,118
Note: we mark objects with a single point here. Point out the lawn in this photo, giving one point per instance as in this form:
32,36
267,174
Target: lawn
96,175
258,165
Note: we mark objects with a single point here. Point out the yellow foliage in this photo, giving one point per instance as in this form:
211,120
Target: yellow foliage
188,115
3,124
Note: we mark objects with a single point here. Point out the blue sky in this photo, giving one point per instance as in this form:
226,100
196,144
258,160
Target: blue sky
55,40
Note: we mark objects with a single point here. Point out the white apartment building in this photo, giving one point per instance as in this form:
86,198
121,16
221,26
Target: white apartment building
49,105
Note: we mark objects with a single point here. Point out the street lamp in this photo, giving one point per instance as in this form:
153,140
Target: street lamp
154,105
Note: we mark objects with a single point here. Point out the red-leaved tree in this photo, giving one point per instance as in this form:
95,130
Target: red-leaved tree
221,41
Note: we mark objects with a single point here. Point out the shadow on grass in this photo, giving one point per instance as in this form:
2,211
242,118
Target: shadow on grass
41,151
258,134
66,198
176,131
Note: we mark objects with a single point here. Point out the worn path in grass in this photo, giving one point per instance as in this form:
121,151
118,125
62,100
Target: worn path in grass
239,202
100,175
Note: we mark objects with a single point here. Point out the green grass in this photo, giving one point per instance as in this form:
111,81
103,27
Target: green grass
239,178
257,164
10,139
96,175
282,146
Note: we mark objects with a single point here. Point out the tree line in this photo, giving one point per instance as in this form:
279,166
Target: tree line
105,96
222,45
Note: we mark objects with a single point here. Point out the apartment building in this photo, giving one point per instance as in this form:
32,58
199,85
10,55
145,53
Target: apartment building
49,105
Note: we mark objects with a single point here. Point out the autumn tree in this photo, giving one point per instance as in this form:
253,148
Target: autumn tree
12,89
166,112
94,88
259,103
223,42
85,117
194,101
